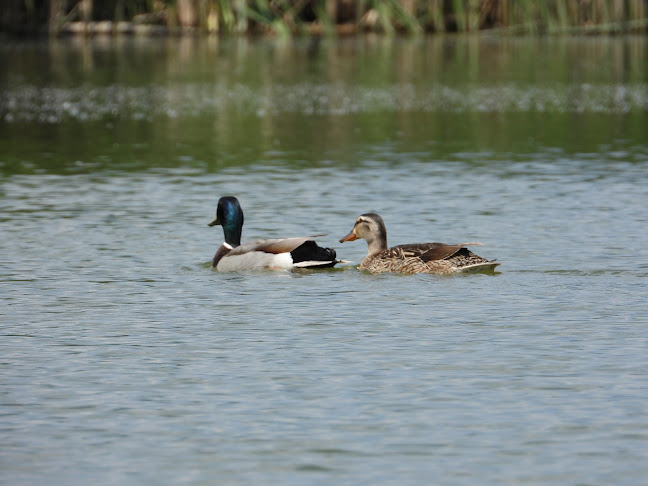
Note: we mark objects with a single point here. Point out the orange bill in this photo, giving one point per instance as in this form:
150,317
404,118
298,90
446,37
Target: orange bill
350,237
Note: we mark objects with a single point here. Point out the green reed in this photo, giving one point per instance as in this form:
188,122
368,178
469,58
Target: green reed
287,17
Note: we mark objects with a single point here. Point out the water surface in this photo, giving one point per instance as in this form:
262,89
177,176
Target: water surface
126,359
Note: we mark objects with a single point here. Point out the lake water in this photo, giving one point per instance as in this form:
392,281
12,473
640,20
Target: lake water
125,359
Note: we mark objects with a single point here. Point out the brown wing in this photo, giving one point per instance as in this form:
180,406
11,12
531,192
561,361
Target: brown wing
431,251
279,245
440,252
427,251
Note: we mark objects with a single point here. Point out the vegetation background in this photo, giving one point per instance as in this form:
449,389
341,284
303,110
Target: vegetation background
289,17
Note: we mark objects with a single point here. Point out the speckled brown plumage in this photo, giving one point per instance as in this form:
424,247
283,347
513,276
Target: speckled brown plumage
436,258
400,260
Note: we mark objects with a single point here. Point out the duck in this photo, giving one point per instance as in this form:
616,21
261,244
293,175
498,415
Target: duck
434,258
277,253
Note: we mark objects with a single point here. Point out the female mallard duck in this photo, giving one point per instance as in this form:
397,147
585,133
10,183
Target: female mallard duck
299,252
437,258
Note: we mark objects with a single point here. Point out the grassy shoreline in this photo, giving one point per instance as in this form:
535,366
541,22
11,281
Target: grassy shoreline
321,17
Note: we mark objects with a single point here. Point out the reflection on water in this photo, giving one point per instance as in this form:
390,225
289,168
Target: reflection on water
126,359
142,103
430,75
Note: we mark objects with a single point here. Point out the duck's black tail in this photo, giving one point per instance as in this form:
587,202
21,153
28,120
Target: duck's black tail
311,255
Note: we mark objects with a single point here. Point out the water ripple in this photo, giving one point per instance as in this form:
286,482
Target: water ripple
55,104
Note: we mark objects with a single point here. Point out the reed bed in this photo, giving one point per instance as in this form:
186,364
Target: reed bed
288,17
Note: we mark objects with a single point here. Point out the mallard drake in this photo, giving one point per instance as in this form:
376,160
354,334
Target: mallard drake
437,258
278,253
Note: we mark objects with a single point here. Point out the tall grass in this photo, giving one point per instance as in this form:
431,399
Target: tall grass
602,16
286,17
